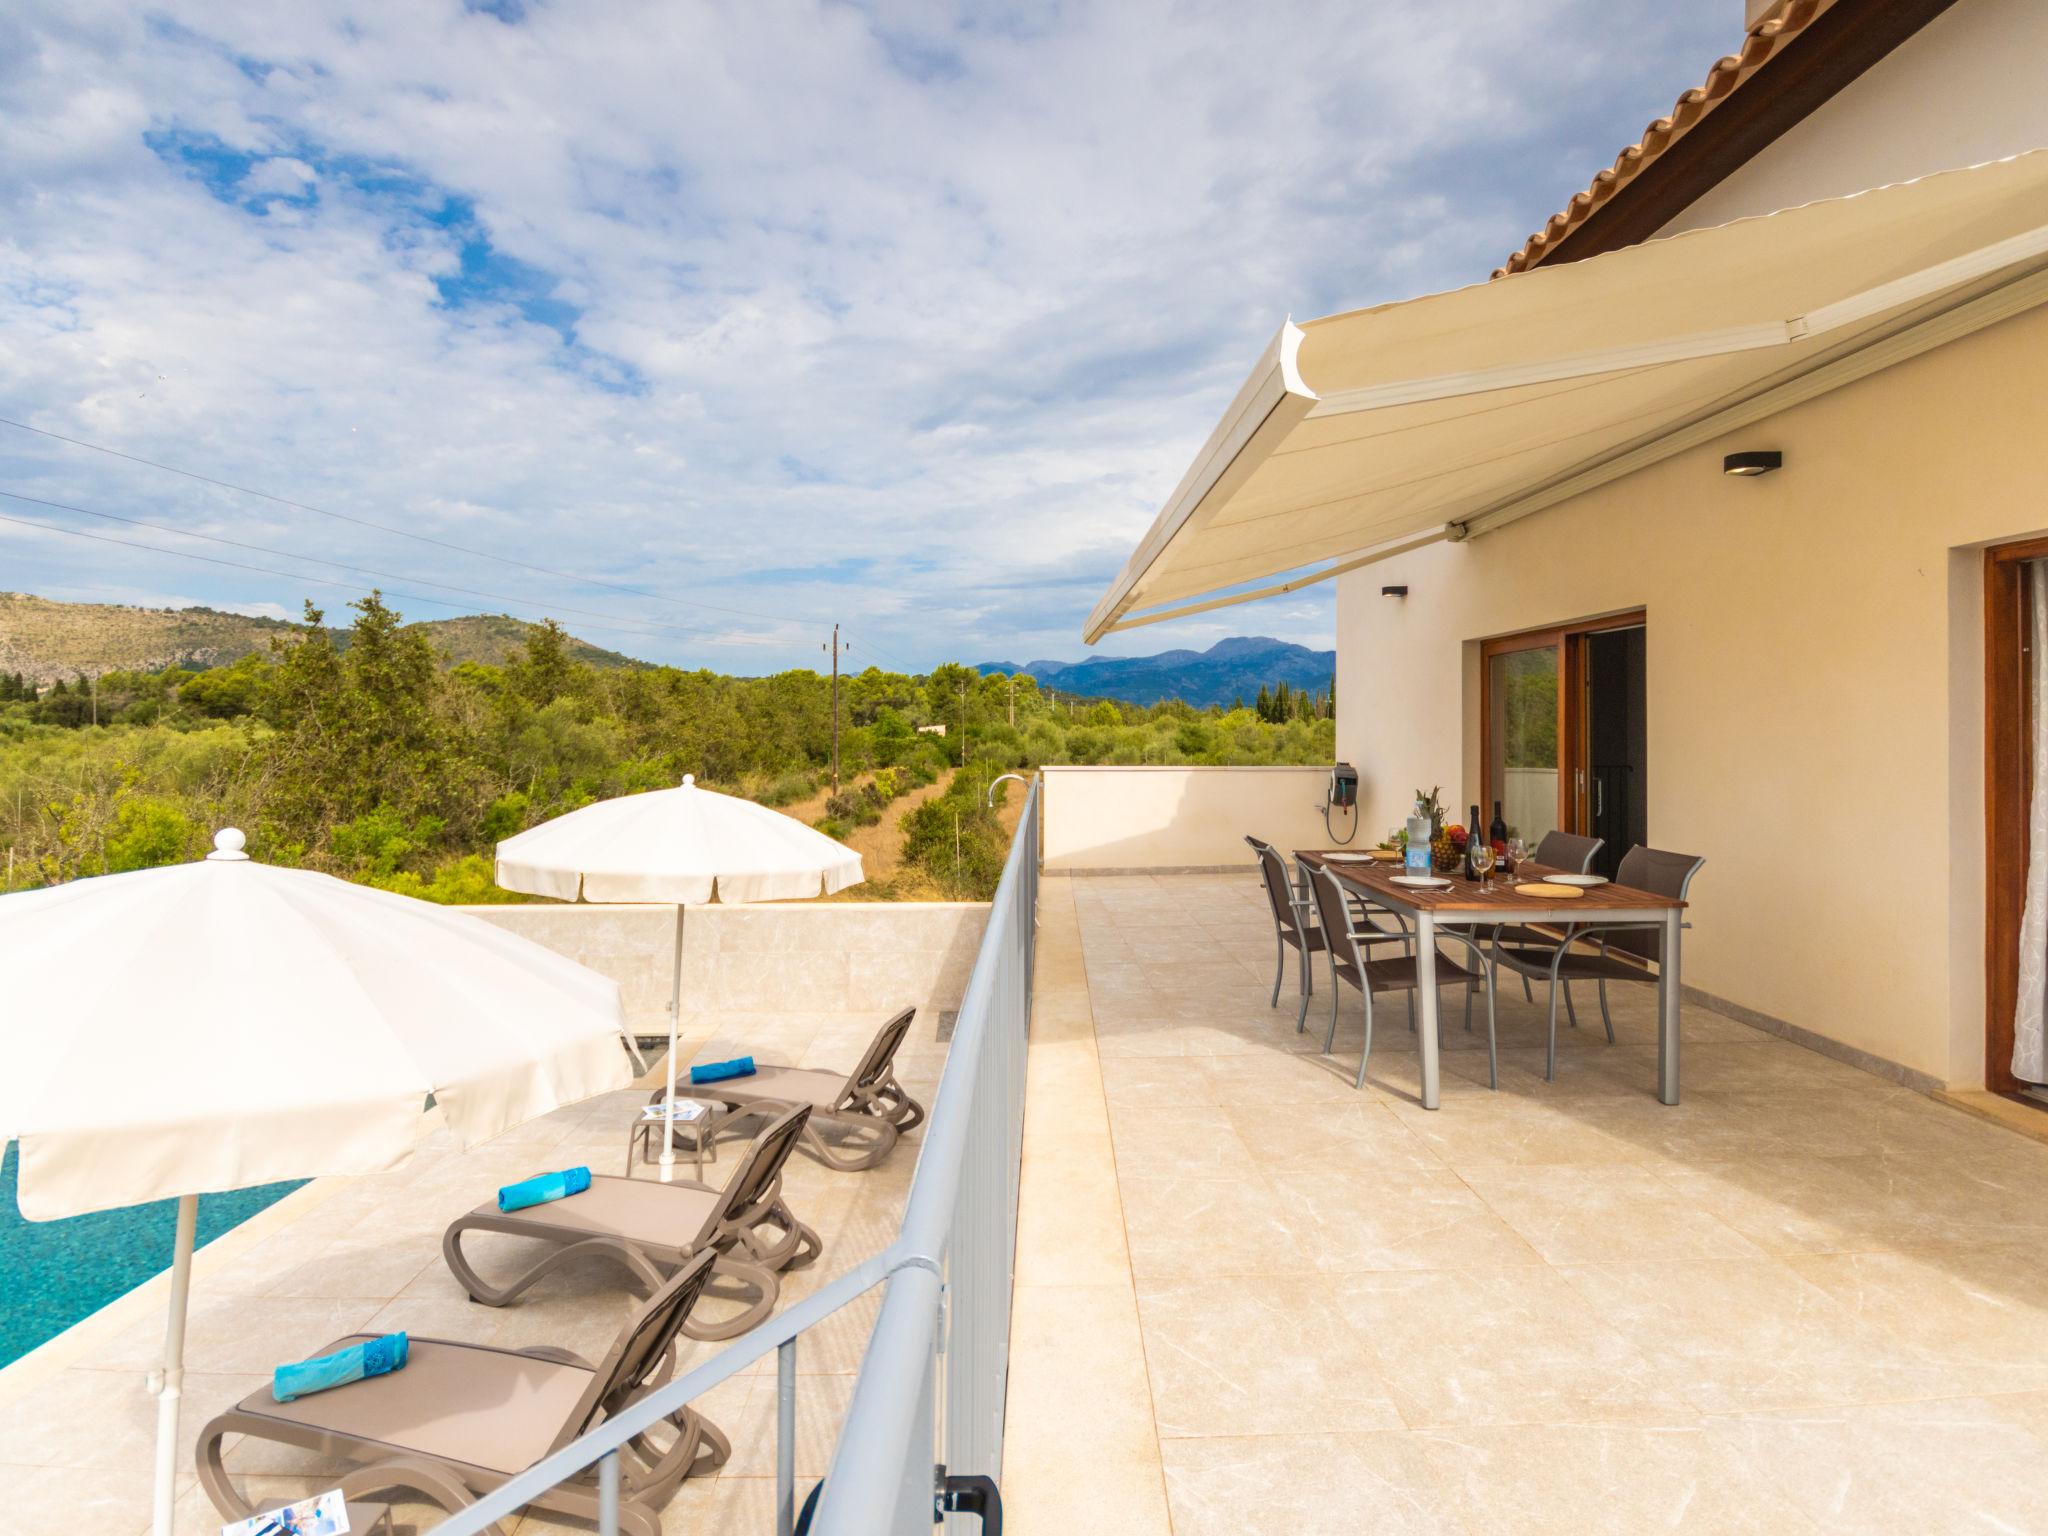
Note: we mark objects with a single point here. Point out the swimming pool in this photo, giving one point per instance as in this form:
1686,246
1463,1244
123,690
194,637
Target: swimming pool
52,1273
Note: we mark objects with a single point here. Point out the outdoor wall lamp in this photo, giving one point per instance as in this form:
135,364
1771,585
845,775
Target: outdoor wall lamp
1757,462
1393,591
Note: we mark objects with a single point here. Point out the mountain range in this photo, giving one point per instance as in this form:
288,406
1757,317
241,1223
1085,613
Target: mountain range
47,640
1229,670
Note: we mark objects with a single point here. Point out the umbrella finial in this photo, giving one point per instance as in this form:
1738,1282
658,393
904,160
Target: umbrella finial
227,845
689,781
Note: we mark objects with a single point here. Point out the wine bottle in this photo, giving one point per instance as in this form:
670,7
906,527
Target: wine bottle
1472,835
1498,832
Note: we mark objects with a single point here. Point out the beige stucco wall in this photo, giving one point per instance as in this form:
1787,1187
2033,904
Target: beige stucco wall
1814,683
1182,818
1964,89
774,957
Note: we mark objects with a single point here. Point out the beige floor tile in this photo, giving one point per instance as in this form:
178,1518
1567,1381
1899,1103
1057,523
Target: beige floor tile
1576,1479
1188,1228
1906,1468
1507,1346
1349,1139
1741,1335
1305,1485
1580,1214
1398,1220
1189,1141
1257,1357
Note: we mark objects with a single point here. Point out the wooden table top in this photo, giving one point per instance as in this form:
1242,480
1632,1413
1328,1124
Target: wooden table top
1498,896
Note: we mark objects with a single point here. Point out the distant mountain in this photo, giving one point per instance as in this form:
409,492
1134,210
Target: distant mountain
1228,670
47,640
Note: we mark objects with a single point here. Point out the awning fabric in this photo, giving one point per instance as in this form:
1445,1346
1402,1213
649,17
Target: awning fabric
1367,433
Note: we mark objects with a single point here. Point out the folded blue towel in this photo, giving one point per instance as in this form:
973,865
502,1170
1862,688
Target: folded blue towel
373,1357
719,1071
542,1188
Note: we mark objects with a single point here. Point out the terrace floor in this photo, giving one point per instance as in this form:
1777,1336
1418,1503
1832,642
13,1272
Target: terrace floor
1252,1299
343,1255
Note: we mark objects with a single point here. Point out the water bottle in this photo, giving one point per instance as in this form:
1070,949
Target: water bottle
1416,861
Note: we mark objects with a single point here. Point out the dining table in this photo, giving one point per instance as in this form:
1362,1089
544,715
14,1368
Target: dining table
1497,901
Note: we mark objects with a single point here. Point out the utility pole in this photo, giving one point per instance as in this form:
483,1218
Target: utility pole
1013,701
95,698
963,722
836,648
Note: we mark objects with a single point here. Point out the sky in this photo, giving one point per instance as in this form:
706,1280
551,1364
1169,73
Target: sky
701,327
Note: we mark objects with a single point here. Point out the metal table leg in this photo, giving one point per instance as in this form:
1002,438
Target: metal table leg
1426,1024
1667,1011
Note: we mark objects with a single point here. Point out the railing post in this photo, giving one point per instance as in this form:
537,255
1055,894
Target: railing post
785,1438
608,1495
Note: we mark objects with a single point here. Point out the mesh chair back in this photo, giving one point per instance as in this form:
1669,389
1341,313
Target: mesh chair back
1568,851
879,1057
1661,874
755,1178
639,1350
1336,919
1279,889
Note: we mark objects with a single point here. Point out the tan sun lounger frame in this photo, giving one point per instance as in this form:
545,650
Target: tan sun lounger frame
747,1225
452,1388
864,1112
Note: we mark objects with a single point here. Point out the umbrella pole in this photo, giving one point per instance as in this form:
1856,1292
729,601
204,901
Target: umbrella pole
170,1386
675,1020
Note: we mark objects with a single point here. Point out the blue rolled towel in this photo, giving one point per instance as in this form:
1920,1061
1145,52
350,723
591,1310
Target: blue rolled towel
542,1188
372,1357
719,1071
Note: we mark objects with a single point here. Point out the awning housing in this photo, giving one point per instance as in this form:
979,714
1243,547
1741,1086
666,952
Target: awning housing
1367,433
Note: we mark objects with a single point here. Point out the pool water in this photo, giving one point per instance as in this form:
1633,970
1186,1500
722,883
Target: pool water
53,1273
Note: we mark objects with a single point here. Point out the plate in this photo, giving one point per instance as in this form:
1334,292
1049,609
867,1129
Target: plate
1348,858
1576,879
1542,889
1427,882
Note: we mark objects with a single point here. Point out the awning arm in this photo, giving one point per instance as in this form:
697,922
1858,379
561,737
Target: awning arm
1344,563
1266,409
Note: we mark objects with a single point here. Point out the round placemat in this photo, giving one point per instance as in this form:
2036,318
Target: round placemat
1539,888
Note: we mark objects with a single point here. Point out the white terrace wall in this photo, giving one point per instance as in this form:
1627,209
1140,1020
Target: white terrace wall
774,957
1133,819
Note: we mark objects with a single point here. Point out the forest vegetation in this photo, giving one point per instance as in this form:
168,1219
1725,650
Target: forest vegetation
366,753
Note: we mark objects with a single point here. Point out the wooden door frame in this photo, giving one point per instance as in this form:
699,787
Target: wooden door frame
2008,794
1571,709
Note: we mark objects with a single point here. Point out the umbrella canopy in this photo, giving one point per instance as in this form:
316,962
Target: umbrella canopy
271,1024
676,845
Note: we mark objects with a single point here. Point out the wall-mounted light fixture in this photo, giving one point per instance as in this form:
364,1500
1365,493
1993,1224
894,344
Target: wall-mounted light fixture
1393,591
1759,461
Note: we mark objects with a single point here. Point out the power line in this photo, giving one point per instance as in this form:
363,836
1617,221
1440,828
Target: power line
545,603
404,533
318,581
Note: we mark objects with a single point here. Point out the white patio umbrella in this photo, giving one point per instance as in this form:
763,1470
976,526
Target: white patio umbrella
683,846
270,1024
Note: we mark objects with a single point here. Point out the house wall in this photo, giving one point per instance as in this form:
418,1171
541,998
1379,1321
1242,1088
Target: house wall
1964,89
1141,818
770,957
1814,682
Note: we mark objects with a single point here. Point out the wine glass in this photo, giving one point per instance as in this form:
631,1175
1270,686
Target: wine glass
1482,858
1518,850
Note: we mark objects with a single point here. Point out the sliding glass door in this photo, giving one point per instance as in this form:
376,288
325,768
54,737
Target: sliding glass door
1523,734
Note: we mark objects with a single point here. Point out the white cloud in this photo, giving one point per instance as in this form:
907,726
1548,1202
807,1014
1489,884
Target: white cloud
953,292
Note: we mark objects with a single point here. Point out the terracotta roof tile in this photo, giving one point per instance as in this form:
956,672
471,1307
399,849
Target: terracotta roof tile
1722,81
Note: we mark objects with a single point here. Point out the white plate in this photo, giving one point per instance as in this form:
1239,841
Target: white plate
1576,879
1349,858
1427,882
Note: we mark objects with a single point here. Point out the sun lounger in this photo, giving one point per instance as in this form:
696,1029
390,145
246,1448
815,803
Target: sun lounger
460,1419
652,1228
855,1118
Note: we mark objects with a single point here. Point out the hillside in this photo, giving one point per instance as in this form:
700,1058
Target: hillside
1229,670
47,640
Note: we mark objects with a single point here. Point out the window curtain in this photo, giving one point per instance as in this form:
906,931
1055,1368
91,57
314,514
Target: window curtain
2029,1027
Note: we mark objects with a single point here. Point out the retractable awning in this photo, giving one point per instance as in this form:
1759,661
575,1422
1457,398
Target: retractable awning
1369,433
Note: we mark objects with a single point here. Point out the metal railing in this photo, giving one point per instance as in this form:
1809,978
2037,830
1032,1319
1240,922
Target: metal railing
931,1384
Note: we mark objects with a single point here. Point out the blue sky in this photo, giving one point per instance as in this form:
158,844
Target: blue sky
703,326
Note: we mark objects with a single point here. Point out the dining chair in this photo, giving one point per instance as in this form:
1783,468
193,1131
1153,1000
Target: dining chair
1294,925
1568,853
1622,950
1350,963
